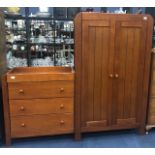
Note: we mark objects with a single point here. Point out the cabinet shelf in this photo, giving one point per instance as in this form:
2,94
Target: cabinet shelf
56,28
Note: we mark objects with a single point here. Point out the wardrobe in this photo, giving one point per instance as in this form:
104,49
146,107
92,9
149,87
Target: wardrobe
112,65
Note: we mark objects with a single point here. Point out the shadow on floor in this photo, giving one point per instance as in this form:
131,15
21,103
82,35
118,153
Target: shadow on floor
110,139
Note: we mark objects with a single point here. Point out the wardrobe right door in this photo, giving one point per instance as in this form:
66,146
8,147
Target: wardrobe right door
131,70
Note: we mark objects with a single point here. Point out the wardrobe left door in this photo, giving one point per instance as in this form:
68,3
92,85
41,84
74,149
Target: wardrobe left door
96,74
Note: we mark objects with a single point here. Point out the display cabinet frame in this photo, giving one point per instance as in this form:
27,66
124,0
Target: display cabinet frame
28,19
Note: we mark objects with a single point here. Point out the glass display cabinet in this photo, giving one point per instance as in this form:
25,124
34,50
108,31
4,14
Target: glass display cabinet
16,42
40,37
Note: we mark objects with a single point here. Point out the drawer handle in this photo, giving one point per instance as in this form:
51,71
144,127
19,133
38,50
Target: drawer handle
23,125
61,89
22,108
61,106
62,122
21,91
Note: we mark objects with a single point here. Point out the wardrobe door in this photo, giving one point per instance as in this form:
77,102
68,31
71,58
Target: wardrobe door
96,74
131,59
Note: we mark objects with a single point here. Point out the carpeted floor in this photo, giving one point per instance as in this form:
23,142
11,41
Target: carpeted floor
112,139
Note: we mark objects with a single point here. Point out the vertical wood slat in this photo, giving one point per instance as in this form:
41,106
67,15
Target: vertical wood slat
98,73
105,82
84,73
77,91
135,55
111,99
91,71
141,64
128,73
121,47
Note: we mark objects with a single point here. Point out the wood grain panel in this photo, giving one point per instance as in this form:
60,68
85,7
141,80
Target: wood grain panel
84,77
30,90
91,71
98,72
37,125
40,106
106,70
128,58
98,38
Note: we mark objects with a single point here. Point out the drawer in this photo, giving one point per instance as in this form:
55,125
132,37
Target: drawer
38,90
37,125
41,106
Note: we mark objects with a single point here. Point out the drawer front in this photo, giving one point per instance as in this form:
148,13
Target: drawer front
37,125
41,106
30,90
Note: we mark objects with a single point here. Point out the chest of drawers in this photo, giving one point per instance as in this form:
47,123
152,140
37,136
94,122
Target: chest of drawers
38,101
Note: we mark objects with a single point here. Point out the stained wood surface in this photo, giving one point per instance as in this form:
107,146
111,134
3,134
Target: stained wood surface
38,125
26,74
30,90
41,106
112,63
38,101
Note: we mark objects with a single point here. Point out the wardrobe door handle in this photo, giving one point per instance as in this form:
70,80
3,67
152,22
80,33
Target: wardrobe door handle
111,75
116,76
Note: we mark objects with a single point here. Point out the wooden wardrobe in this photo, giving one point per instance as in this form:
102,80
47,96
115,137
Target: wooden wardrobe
112,64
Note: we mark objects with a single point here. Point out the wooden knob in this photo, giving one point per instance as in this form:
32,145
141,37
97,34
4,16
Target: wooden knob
111,75
21,91
22,125
22,108
12,77
116,76
62,122
61,106
61,89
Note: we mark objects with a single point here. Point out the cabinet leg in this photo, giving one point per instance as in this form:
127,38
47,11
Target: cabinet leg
77,136
142,130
